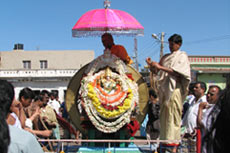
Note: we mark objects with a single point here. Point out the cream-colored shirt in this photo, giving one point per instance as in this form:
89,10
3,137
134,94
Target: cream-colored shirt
178,62
49,113
172,92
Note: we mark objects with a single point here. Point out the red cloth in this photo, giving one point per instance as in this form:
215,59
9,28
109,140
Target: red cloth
198,142
129,75
121,52
63,123
132,127
170,144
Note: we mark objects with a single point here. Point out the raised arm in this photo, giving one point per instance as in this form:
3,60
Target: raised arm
202,106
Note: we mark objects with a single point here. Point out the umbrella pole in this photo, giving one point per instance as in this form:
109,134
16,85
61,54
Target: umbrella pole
135,52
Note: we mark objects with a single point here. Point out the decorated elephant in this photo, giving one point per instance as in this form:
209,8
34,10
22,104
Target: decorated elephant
107,95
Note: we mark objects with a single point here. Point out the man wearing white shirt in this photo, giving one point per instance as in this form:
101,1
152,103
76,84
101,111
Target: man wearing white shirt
53,102
203,119
190,119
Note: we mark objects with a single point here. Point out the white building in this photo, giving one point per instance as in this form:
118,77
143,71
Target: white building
38,70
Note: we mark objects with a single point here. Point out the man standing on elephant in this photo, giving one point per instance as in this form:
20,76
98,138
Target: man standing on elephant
173,80
117,50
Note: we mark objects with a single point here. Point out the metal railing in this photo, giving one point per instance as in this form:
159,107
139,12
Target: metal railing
108,146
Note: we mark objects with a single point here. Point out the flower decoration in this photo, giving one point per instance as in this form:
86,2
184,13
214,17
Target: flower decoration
109,96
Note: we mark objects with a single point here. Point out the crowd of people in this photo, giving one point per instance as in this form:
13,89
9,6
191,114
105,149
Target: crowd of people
201,113
177,108
31,115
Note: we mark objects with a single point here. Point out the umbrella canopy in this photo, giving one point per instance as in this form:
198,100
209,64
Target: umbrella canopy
98,21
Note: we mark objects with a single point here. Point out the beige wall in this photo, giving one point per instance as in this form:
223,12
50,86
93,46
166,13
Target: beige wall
63,59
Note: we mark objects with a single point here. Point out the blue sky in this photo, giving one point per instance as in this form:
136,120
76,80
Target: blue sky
46,24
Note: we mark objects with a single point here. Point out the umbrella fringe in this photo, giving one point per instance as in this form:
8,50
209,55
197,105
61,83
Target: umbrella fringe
88,33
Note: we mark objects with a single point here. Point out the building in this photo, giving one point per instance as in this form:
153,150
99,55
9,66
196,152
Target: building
50,70
211,69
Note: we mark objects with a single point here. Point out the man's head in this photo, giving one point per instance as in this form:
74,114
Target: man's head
56,96
107,40
39,100
152,95
6,96
45,96
199,89
213,94
26,96
191,89
175,42
6,99
52,96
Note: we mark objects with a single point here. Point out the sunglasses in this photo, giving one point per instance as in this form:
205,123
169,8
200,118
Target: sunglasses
211,94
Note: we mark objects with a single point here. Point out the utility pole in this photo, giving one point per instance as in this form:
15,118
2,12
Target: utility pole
161,40
162,44
135,52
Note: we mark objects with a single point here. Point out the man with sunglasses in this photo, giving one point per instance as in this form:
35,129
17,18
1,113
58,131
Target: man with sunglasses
203,119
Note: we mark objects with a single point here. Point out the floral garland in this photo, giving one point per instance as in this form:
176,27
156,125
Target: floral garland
109,113
109,97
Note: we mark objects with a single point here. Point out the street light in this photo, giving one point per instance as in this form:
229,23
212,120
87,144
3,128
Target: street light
161,41
155,36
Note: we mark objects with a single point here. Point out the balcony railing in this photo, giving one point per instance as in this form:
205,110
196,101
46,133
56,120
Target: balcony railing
38,73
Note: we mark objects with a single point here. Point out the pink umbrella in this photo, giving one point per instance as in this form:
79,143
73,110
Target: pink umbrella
98,21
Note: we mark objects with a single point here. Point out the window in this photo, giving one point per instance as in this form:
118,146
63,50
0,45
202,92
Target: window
26,64
43,64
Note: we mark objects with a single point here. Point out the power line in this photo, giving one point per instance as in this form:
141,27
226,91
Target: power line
147,44
143,54
153,51
208,40
149,49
